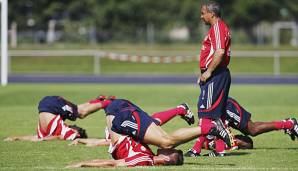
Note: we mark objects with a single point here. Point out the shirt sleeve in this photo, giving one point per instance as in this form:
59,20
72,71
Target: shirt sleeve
218,36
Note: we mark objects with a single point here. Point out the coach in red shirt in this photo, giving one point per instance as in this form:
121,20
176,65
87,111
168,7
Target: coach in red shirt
215,76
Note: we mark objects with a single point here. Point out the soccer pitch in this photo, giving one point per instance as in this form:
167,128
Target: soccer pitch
18,111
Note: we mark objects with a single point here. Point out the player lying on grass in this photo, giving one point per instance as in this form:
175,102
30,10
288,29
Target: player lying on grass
129,119
129,145
53,111
238,118
126,151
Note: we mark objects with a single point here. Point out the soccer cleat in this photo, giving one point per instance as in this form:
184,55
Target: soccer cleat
294,130
188,117
111,97
293,133
192,153
289,132
101,97
211,145
220,131
215,154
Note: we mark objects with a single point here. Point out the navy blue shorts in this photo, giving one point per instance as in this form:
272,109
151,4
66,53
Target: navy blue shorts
214,94
58,106
131,121
237,116
119,104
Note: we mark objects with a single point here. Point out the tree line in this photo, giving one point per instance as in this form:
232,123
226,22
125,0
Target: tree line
116,18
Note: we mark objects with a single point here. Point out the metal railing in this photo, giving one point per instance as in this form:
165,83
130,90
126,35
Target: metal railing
97,55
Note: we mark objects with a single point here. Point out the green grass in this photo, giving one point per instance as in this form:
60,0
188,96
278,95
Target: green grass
18,111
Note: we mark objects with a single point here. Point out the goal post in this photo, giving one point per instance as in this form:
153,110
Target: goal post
4,51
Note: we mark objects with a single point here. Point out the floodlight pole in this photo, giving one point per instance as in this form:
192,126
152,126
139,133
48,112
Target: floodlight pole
4,56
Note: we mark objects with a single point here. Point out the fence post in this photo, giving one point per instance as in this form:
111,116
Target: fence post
96,64
276,64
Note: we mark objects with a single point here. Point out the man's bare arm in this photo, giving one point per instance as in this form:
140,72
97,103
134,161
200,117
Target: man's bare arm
98,163
91,142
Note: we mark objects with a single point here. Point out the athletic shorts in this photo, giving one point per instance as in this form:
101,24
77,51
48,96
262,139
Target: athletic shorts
133,153
132,122
119,104
58,106
236,115
214,94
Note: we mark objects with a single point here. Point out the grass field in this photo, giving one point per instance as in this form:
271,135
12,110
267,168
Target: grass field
18,111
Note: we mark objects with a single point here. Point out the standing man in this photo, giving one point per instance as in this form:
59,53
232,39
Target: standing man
215,76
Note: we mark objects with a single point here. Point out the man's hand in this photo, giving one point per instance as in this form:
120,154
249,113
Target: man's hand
74,165
205,76
11,139
75,142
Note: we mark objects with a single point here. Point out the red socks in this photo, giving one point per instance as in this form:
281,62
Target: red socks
220,145
199,143
167,115
206,125
283,124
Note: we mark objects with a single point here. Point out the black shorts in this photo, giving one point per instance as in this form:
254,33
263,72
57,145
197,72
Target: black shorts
132,122
214,94
237,116
58,106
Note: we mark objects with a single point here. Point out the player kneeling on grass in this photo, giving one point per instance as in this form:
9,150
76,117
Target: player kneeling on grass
53,111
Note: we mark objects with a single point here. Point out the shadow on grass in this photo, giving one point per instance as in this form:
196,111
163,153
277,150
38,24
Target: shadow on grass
218,164
237,153
215,164
276,148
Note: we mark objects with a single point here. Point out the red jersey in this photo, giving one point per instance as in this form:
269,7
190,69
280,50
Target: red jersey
57,127
218,37
134,153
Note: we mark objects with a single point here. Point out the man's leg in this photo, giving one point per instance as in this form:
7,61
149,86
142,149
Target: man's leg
92,106
182,110
257,128
155,135
196,149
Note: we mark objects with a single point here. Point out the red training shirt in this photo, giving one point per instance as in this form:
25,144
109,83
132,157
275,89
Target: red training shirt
218,37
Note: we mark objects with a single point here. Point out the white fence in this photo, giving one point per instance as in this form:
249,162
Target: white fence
97,55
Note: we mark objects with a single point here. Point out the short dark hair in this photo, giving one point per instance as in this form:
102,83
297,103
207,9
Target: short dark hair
249,144
176,156
214,7
81,132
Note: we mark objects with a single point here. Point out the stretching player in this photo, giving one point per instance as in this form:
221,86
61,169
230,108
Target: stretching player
129,119
132,150
53,111
239,119
126,151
